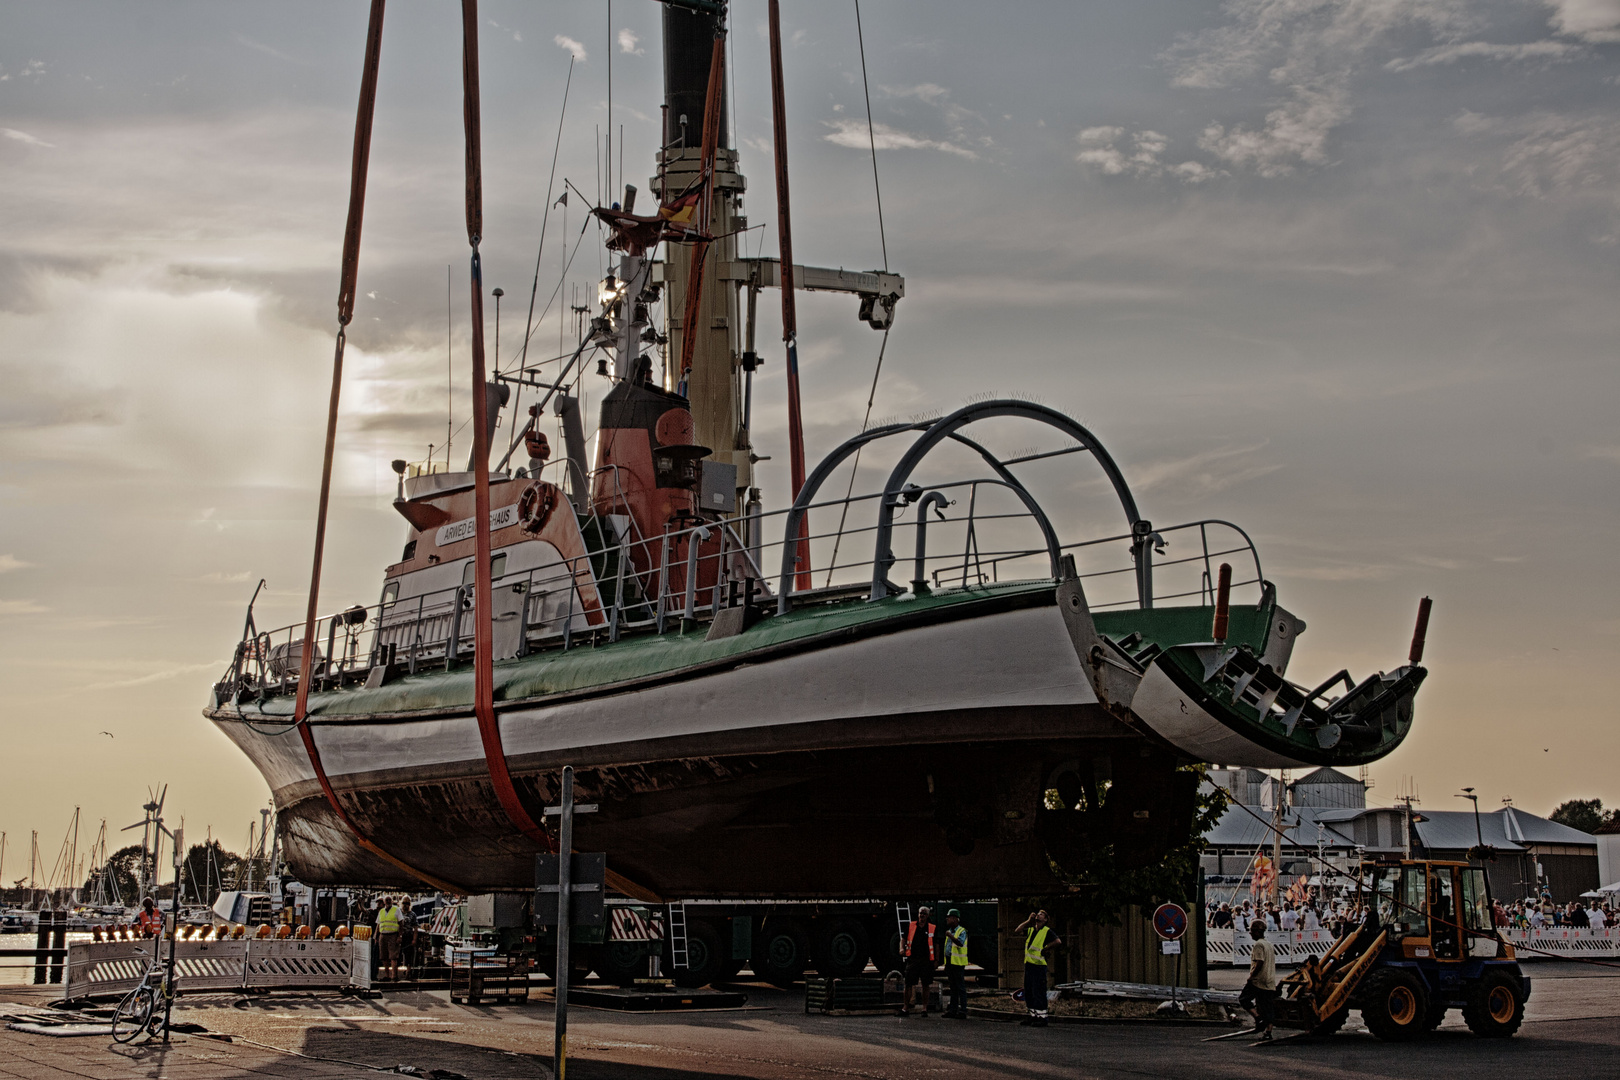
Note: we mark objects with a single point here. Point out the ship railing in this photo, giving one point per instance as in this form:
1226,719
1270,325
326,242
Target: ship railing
687,575
986,565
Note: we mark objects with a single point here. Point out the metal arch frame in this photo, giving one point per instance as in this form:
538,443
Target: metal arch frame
812,485
946,427
933,434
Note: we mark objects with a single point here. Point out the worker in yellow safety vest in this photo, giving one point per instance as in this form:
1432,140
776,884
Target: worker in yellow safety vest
388,937
1038,941
956,962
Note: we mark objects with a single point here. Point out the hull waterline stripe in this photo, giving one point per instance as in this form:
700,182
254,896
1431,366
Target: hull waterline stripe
350,269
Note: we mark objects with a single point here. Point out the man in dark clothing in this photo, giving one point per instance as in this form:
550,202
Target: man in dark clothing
918,947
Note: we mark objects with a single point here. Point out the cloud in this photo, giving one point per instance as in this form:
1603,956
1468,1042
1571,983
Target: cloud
21,607
629,42
1100,149
1203,473
853,133
1311,50
259,46
161,675
1487,50
219,577
572,46
1547,153
516,35
23,137
11,562
1596,21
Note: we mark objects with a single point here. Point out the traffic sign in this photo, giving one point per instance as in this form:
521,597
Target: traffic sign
1170,921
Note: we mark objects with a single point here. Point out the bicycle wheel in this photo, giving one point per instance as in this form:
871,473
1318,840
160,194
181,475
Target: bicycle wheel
133,1013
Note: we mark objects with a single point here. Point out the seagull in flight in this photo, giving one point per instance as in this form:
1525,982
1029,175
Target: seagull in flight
108,734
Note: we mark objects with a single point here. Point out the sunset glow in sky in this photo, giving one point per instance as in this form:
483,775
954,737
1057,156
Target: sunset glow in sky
1342,271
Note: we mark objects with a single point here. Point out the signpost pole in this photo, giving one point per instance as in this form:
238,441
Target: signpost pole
174,933
565,848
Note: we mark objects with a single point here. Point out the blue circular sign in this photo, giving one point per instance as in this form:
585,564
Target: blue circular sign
1170,921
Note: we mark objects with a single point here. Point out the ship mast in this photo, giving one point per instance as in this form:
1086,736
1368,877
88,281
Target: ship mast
713,371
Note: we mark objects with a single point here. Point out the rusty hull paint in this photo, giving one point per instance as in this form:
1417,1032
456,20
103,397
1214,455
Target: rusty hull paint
843,823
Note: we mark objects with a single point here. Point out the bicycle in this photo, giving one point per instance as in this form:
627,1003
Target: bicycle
145,1009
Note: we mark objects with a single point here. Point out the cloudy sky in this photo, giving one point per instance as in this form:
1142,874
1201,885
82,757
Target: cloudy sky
1340,270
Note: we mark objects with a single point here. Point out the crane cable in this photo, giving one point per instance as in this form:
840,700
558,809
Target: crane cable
871,396
346,290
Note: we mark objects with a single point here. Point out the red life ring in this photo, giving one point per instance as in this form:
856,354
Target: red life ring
535,505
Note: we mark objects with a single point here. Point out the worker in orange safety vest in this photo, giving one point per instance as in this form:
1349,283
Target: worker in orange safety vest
149,923
920,961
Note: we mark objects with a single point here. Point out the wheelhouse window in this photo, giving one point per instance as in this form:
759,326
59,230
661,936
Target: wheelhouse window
497,569
390,593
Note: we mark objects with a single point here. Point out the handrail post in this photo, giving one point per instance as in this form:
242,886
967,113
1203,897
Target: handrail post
416,641
663,579
919,577
618,585
719,570
694,538
452,651
573,588
1142,552
523,615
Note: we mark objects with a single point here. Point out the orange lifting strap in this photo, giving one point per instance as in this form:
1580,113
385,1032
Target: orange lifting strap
351,264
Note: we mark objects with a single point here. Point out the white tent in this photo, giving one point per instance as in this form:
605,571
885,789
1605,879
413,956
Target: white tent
1606,890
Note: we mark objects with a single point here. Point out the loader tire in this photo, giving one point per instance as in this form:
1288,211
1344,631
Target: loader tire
1394,1005
1495,1007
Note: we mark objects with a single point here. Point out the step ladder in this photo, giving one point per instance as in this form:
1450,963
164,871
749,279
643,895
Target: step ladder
902,920
677,936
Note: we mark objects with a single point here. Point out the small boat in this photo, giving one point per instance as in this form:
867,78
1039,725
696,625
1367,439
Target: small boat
945,682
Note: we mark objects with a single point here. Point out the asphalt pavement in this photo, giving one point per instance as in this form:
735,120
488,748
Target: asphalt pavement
1570,1030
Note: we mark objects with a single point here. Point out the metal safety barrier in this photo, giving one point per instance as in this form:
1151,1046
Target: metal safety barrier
1566,941
1291,946
101,969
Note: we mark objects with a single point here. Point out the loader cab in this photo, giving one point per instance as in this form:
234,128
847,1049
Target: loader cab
1435,910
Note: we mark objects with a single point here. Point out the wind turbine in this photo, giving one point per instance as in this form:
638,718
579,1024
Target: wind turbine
152,834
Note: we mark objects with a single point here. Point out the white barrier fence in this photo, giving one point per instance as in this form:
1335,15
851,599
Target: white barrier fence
98,969
1295,945
1292,946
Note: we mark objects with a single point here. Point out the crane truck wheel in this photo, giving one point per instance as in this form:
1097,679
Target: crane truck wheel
842,947
1495,1007
703,957
621,962
1394,1005
781,951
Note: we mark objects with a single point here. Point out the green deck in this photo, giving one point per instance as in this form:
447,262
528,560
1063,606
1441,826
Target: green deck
642,654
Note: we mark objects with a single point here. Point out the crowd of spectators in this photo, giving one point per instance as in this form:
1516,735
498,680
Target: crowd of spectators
1322,913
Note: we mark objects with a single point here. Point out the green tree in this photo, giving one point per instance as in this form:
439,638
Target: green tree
123,870
1583,814
206,866
1100,891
